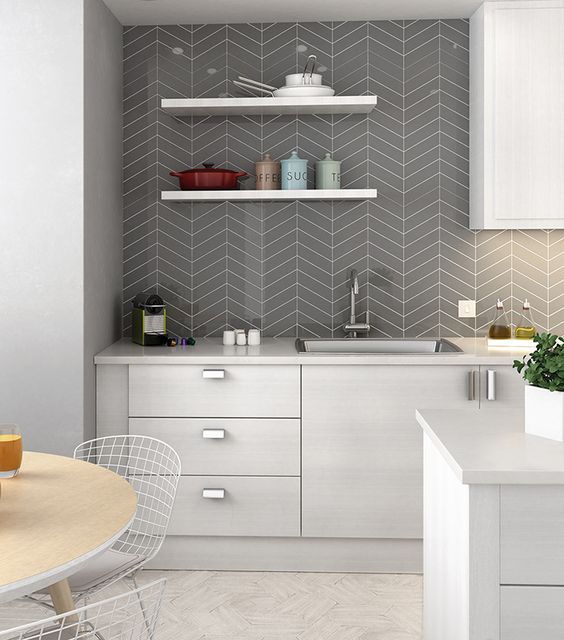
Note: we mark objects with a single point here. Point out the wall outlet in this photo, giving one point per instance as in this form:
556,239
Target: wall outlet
467,308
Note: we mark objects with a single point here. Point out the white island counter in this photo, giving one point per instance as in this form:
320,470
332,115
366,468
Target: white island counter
494,528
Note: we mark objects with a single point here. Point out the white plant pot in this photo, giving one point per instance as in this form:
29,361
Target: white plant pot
544,413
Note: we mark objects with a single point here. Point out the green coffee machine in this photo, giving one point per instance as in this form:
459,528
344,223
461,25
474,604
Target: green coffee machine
148,318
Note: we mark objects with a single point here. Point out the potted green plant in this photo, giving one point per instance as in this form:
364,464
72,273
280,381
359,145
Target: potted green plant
543,371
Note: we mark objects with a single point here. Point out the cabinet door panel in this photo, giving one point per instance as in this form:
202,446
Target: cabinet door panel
532,613
362,448
528,153
532,534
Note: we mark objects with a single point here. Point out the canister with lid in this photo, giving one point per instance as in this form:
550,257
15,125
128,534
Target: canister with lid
268,173
328,173
294,172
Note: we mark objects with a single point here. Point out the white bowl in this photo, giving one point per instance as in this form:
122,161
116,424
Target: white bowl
298,79
303,92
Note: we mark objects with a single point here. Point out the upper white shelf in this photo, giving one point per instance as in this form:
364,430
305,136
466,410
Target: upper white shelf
279,195
268,106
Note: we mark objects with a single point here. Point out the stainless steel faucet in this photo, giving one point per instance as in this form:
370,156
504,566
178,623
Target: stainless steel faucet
353,328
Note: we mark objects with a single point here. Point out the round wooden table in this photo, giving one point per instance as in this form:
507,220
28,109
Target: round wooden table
55,515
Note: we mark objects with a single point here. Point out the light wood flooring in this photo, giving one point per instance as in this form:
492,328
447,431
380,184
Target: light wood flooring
211,605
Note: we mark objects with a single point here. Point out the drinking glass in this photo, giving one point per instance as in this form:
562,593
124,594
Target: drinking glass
10,450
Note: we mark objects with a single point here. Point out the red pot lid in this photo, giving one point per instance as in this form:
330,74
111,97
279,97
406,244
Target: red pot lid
208,168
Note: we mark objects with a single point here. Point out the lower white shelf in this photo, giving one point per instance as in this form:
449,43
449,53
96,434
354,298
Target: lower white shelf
251,194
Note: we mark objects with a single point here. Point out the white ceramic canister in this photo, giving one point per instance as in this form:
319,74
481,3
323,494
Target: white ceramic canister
294,172
241,338
229,338
267,172
328,173
254,337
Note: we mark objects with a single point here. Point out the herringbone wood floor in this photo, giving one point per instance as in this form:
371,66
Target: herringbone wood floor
209,605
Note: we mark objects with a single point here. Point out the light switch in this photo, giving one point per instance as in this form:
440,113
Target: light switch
467,308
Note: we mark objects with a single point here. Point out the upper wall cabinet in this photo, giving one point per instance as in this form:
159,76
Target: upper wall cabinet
517,115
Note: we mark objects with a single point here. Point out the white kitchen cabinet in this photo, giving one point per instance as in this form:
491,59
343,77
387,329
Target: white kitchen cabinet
233,391
228,446
236,506
532,535
362,451
532,613
516,123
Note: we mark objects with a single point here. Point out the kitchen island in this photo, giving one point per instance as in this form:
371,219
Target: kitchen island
493,528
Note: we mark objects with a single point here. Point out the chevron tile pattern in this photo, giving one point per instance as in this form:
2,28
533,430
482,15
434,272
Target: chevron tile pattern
204,605
283,267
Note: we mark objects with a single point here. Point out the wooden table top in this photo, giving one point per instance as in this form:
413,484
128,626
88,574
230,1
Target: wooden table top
56,514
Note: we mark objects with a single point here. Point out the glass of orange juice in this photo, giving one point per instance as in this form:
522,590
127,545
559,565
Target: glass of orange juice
10,450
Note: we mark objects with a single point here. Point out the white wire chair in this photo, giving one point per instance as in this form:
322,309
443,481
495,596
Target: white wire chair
117,618
152,467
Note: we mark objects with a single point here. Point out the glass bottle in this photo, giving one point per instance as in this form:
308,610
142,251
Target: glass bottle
525,328
500,328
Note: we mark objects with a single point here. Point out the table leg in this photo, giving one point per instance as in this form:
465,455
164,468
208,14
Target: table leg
62,598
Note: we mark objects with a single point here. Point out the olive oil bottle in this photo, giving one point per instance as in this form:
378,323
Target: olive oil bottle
525,328
500,329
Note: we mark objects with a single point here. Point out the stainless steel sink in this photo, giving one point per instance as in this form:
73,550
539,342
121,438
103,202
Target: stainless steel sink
375,345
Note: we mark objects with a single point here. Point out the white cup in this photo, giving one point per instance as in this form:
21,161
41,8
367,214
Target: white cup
241,338
229,338
254,337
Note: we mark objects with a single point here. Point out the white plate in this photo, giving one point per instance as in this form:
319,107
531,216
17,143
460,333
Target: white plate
303,92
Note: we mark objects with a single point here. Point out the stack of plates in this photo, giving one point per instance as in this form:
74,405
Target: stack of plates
303,91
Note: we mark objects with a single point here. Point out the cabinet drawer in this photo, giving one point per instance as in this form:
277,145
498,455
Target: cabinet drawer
531,613
228,446
250,507
213,391
532,534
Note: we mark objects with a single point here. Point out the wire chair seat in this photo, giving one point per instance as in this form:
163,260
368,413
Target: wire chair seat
130,616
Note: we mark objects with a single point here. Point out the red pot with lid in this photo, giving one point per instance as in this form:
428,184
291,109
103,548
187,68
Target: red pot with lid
208,178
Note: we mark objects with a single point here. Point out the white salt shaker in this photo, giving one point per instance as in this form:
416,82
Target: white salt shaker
254,337
229,338
241,338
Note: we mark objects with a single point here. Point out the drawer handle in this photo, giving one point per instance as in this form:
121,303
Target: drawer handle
213,494
213,373
471,385
490,384
213,434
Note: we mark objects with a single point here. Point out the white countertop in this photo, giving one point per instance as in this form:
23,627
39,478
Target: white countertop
283,351
489,446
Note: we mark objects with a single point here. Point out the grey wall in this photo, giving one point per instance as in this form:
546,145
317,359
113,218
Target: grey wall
283,267
102,191
41,222
60,262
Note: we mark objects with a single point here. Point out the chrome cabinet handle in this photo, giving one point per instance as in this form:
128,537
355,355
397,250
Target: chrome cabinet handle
213,434
490,384
471,385
213,494
213,373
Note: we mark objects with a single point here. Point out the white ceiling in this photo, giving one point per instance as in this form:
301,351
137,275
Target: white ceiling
130,12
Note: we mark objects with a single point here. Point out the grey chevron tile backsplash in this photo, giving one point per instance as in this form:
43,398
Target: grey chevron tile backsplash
284,267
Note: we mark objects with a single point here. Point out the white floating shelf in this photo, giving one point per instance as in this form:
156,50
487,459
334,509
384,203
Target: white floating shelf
248,194
268,106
